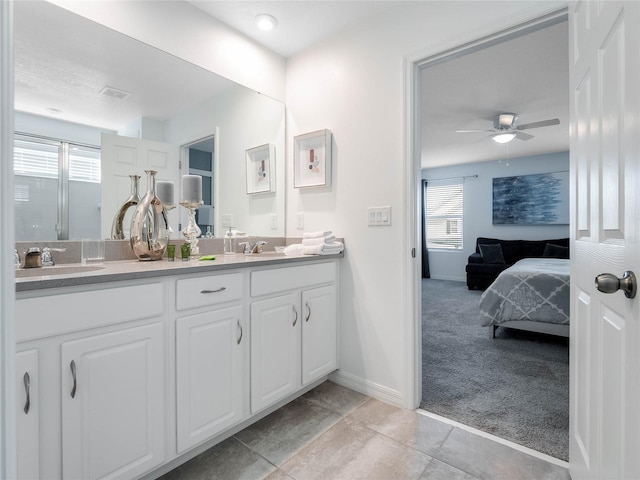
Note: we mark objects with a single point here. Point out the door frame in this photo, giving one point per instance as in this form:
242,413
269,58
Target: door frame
412,280
7,241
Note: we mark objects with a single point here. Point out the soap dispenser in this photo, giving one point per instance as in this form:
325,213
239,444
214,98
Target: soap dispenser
229,243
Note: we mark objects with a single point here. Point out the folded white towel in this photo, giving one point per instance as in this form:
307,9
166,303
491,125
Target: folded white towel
324,249
316,234
293,249
319,240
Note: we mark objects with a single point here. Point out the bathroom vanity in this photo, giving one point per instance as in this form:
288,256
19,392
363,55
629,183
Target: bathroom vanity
128,370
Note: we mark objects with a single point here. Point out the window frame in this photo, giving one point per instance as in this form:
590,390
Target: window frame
64,153
448,220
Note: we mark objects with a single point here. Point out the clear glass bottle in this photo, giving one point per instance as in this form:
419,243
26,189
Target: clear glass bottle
229,243
209,233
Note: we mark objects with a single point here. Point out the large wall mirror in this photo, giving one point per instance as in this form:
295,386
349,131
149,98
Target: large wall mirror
89,99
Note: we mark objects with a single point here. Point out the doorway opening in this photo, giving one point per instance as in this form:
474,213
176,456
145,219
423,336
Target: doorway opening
514,386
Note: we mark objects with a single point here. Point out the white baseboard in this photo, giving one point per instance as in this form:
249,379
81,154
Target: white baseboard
445,277
368,388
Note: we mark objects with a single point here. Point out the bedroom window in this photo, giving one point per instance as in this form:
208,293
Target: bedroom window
444,215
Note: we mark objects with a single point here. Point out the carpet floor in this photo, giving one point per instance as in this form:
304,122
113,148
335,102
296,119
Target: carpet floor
515,386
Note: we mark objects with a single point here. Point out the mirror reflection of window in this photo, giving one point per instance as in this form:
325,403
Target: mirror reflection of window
57,189
201,163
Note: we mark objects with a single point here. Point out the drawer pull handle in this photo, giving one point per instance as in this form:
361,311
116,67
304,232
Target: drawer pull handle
221,289
27,384
306,304
73,374
240,328
295,320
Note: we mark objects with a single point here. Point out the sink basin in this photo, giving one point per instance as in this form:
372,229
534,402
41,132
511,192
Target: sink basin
56,270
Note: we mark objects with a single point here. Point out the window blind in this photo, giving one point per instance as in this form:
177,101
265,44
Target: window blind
444,211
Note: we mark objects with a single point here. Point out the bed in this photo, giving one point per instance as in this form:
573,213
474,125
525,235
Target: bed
532,294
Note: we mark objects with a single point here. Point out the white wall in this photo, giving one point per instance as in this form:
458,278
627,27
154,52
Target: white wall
478,208
185,31
59,129
353,84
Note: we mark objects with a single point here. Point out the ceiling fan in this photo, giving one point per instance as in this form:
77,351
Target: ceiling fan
505,129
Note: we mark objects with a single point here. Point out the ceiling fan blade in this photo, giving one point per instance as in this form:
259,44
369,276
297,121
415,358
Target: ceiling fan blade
543,123
523,136
473,131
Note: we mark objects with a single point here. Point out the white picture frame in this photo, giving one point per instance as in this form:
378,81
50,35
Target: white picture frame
312,159
260,168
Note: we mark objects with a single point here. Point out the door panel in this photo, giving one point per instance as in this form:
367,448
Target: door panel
124,156
605,107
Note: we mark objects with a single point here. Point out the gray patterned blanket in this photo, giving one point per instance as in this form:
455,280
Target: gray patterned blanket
534,289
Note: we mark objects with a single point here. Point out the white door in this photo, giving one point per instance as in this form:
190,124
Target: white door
605,170
113,404
124,156
319,326
209,374
27,418
275,349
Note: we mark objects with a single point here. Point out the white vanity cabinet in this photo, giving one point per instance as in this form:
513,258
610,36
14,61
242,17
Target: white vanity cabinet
293,330
27,416
100,387
113,403
127,379
210,345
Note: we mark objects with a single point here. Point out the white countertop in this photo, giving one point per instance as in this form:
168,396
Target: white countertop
46,277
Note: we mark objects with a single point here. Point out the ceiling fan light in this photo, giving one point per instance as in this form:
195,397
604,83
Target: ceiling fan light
503,137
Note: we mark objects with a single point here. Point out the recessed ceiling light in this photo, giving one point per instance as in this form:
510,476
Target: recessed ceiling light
265,22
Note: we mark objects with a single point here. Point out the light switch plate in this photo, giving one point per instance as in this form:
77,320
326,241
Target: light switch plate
300,224
379,216
274,221
227,220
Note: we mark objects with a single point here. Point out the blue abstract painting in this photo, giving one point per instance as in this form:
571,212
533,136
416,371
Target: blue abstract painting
540,199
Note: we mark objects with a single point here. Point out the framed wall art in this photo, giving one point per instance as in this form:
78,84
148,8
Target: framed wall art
539,199
259,171
312,159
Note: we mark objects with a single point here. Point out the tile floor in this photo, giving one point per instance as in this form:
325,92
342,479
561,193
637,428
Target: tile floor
335,433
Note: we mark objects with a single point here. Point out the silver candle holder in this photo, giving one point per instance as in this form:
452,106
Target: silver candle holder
192,231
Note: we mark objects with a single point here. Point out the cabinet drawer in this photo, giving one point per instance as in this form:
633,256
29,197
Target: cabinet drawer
265,282
209,290
45,316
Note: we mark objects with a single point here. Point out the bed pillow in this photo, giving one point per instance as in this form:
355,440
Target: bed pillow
555,251
491,253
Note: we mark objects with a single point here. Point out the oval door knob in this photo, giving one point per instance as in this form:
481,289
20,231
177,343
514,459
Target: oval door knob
609,283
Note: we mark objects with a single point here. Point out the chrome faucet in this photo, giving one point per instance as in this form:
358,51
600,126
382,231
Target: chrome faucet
47,258
33,258
249,249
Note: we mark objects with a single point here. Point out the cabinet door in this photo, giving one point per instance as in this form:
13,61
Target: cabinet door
27,417
319,342
209,374
113,403
275,349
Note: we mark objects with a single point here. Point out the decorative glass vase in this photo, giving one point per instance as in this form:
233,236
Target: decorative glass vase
149,225
117,231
